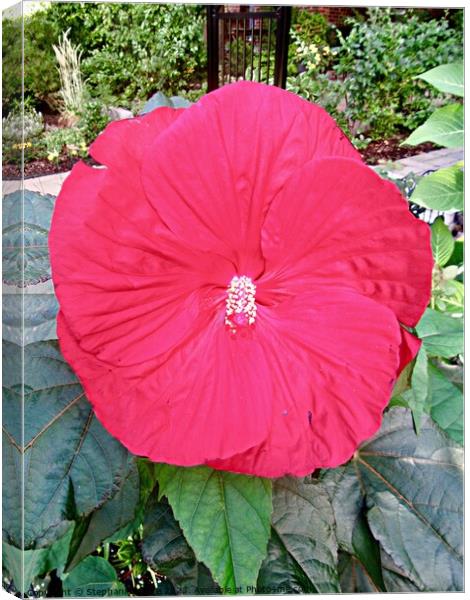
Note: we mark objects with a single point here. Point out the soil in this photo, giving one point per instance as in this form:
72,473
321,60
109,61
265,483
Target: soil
37,168
381,151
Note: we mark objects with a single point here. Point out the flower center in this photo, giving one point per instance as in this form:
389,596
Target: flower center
240,308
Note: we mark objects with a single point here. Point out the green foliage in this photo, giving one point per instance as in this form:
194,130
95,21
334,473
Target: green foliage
41,75
441,190
94,576
166,550
132,50
442,334
71,468
444,127
129,50
69,139
434,393
322,90
115,514
309,48
360,568
71,472
379,61
36,562
21,132
310,27
447,290
93,119
159,99
444,402
302,551
19,126
446,78
409,488
217,512
442,242
26,221
415,398
309,56
12,76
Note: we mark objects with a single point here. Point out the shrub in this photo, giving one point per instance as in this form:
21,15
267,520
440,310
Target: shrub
379,60
93,119
21,135
129,50
132,50
16,125
309,36
70,139
310,27
41,76
11,62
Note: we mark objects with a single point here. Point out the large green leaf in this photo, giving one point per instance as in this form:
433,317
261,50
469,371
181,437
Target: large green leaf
432,392
446,78
167,551
29,318
395,579
449,295
25,233
94,577
457,254
360,553
441,190
416,396
25,567
225,517
442,335
302,551
159,99
111,517
71,465
444,403
147,482
444,127
353,574
442,242
412,487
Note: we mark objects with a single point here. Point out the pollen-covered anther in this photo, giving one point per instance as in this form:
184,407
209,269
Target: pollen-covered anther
240,308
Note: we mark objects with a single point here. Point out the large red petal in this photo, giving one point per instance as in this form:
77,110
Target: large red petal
123,144
128,290
210,399
337,222
334,357
212,175
409,348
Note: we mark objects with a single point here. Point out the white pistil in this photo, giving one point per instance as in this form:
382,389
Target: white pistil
240,303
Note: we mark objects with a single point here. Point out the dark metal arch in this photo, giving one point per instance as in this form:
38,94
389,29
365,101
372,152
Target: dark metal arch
240,45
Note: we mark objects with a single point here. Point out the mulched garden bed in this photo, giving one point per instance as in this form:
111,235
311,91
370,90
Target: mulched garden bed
38,168
390,150
378,151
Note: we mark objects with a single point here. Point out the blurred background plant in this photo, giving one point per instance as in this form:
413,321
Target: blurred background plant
367,80
72,89
21,132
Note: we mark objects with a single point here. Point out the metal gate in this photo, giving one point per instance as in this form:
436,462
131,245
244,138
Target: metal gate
250,45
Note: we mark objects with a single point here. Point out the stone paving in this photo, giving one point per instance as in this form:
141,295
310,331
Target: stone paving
420,163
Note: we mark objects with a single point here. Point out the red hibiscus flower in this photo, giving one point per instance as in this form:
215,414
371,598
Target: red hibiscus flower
234,283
